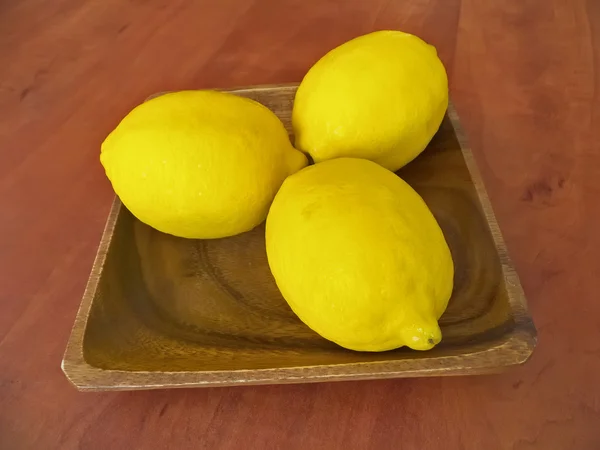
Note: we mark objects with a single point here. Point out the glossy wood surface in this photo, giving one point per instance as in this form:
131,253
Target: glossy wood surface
524,80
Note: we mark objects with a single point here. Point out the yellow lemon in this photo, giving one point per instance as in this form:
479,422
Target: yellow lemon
359,257
381,96
199,164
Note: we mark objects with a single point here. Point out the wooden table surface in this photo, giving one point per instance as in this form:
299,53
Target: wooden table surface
525,81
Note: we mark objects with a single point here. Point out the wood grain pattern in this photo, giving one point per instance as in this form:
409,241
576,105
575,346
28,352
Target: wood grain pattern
524,80
161,311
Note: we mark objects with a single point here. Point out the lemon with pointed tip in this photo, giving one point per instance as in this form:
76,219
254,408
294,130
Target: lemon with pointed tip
199,164
381,96
359,257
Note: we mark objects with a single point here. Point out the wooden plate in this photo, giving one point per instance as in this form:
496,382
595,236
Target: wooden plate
161,311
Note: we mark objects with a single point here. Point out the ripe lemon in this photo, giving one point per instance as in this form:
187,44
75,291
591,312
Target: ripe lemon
381,96
199,164
359,257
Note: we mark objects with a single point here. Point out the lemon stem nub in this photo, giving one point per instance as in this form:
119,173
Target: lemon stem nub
422,336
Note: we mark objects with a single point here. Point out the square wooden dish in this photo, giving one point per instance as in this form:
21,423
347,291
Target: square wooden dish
162,312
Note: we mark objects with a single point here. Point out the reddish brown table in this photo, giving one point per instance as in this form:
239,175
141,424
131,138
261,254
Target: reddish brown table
525,79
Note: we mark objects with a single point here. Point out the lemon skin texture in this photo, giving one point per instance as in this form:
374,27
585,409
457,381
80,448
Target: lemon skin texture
381,96
199,164
359,257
